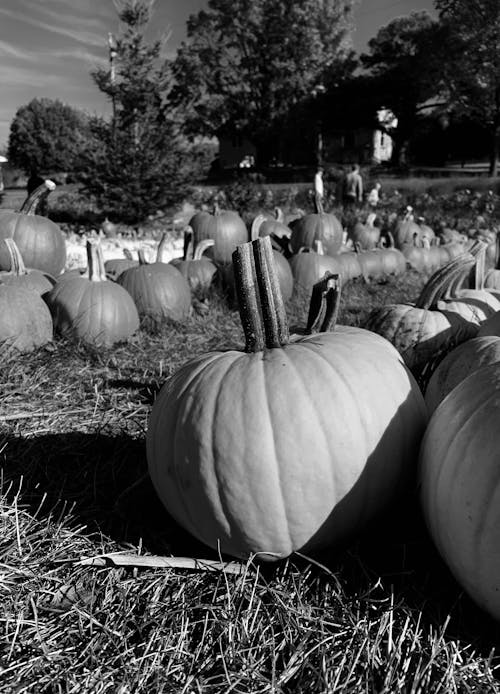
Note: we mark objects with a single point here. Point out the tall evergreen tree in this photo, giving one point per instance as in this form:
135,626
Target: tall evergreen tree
139,162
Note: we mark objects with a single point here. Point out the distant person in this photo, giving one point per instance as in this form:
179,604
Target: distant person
319,188
353,188
373,198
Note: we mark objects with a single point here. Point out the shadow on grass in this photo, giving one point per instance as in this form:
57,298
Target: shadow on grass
101,481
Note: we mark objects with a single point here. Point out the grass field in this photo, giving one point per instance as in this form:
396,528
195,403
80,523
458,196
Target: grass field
382,615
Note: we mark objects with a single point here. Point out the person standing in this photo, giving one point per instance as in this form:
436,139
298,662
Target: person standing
353,190
319,188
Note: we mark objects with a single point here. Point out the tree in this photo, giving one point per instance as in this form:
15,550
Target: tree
473,65
247,63
139,161
405,61
47,135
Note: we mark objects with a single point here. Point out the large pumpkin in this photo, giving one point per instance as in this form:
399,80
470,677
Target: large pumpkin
225,227
40,241
94,310
25,321
459,484
310,228
287,445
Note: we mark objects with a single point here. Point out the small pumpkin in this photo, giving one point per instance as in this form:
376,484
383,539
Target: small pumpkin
158,289
225,227
115,266
40,241
367,235
318,226
94,310
279,232
199,271
309,267
270,449
25,321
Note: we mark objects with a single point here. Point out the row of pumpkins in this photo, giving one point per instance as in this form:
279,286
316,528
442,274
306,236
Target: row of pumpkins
99,312
301,439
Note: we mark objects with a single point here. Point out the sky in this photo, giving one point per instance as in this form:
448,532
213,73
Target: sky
48,47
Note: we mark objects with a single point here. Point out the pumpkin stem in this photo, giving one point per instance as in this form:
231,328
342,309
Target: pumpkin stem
188,243
318,247
128,254
440,281
142,257
31,203
324,305
202,247
17,266
271,301
161,246
95,260
246,291
261,306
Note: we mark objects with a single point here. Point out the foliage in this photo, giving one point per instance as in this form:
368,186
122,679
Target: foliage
139,162
246,65
473,63
405,62
47,136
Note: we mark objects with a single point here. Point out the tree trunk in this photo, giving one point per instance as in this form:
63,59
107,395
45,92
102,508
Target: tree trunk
494,151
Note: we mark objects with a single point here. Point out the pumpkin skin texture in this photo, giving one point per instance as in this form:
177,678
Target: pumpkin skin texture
459,484
25,321
308,267
40,241
284,449
458,364
158,290
94,310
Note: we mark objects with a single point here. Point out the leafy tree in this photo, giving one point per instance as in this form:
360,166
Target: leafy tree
473,64
247,63
47,135
405,62
139,161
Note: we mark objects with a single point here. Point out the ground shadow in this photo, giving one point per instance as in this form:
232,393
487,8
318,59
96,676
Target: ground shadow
101,481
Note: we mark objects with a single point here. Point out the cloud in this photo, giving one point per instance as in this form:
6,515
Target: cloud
24,77
88,38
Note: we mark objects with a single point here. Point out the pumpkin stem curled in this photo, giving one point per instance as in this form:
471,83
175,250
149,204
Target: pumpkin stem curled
31,203
324,305
202,247
440,281
17,266
95,260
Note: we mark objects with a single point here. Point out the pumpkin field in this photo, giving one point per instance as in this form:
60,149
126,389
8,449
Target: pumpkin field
252,448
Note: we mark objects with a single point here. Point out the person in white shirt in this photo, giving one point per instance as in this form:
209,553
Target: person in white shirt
373,198
319,189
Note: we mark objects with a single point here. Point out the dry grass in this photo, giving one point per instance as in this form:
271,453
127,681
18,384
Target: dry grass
383,615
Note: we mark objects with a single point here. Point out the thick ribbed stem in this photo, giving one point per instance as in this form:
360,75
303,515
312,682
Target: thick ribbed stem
16,259
202,247
439,282
142,257
31,203
497,253
128,254
246,291
324,305
271,301
95,262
